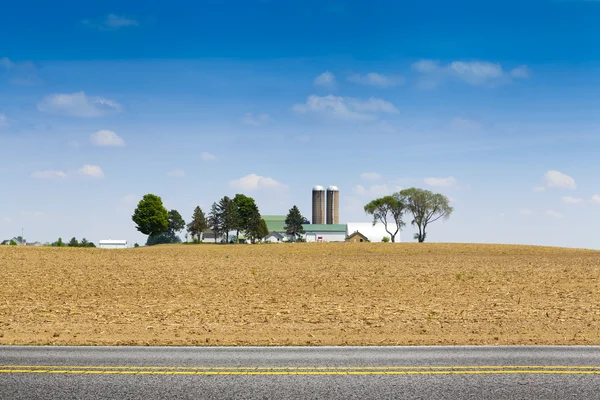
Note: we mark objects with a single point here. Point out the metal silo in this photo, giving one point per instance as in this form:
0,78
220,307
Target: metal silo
318,205
333,205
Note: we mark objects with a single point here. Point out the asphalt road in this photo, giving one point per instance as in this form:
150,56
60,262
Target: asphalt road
299,372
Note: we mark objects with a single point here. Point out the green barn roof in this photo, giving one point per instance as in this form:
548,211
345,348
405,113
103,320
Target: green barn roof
276,223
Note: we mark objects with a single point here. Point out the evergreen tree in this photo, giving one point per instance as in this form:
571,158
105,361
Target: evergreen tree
293,223
73,243
229,216
214,220
198,224
84,243
176,224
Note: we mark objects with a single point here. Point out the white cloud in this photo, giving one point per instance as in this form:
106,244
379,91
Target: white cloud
3,120
370,176
539,189
571,199
553,213
206,156
111,22
465,124
78,105
254,182
375,79
384,189
92,171
525,211
255,120
176,173
470,72
596,198
326,80
556,179
441,182
346,108
49,175
521,72
106,138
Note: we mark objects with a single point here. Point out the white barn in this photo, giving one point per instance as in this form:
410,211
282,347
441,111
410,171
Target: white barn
374,233
324,232
112,244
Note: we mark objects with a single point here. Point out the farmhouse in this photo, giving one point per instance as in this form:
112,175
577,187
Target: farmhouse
357,237
112,244
374,233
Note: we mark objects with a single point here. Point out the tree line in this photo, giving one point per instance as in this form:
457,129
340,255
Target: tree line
423,206
239,214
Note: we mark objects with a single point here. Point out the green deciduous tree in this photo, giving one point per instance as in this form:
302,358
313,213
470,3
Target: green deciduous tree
247,209
426,207
385,210
293,223
176,224
257,228
12,242
199,223
73,242
163,238
150,216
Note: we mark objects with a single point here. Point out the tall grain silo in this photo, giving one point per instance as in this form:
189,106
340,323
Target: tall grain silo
318,205
333,205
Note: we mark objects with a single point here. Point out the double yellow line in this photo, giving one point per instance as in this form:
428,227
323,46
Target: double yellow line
381,370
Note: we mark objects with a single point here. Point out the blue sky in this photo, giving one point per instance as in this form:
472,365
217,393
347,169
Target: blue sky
492,103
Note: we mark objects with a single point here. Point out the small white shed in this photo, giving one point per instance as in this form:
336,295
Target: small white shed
112,244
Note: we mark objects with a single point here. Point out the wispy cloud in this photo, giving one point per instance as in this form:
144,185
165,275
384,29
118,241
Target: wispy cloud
379,190
375,79
78,105
255,119
326,80
49,175
345,108
441,182
473,73
20,73
554,214
572,200
370,176
176,173
465,124
255,182
596,198
206,156
106,138
92,171
111,22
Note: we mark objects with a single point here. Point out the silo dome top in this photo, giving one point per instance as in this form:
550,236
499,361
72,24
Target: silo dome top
318,188
333,188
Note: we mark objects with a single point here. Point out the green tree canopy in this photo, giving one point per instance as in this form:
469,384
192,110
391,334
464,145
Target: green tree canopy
84,243
12,242
176,224
150,216
257,228
163,238
426,207
387,209
73,242
247,209
293,223
199,223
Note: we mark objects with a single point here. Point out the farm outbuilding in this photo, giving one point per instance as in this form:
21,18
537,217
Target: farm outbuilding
112,244
375,233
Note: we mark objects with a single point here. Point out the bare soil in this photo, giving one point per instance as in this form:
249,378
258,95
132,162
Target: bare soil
300,294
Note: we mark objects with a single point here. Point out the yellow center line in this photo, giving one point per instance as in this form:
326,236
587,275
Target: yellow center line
298,372
352,370
390,367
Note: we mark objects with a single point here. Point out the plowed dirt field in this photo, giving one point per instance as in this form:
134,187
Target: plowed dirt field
300,294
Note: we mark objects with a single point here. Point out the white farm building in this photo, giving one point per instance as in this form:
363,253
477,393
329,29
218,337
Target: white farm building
112,244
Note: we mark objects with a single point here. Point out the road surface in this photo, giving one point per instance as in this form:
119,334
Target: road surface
299,372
